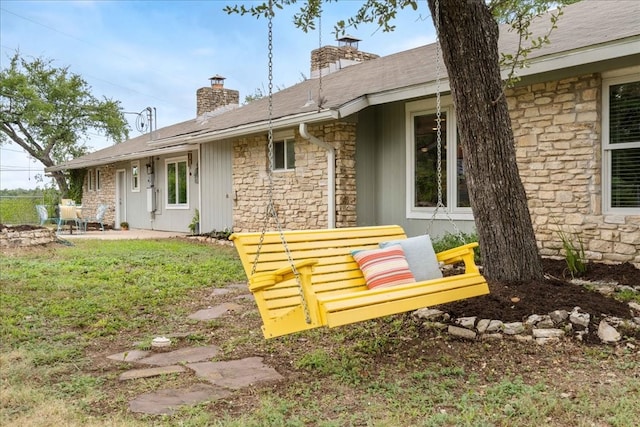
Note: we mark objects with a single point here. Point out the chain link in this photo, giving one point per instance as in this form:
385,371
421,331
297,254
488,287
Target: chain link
439,121
322,55
271,209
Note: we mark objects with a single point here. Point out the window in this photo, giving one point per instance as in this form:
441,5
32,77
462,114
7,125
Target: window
135,176
98,179
91,180
422,159
284,157
621,144
177,183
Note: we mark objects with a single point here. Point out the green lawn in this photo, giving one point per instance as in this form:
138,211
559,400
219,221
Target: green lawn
63,308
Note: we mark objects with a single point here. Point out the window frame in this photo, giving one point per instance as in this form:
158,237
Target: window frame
98,183
286,140
176,161
608,80
91,183
135,176
451,211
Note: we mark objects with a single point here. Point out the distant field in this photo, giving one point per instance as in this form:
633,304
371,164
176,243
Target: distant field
16,210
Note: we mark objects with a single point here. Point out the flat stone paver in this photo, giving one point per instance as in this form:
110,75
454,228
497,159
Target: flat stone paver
235,374
215,312
129,356
168,400
151,372
183,355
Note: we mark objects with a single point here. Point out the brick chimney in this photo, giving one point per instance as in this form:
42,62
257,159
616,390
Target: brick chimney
328,59
211,98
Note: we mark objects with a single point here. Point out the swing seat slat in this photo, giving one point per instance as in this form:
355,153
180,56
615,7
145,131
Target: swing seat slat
333,285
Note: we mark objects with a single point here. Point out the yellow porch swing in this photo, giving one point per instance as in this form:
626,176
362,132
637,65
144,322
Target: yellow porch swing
306,279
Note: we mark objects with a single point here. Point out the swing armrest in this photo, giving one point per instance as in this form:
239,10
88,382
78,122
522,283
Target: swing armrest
261,281
462,253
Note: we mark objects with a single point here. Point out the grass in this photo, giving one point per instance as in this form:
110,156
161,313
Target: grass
63,309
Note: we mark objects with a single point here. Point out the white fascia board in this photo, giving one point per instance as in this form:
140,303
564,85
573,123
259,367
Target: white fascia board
251,128
121,158
400,94
591,54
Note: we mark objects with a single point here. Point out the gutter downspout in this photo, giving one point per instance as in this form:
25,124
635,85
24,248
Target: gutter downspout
331,173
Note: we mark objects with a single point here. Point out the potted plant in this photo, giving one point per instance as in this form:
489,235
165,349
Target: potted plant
124,225
194,226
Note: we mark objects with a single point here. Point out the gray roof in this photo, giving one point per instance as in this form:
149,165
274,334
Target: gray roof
583,26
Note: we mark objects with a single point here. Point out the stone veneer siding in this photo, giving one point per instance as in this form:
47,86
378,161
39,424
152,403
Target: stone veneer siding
557,127
91,199
326,55
210,98
300,195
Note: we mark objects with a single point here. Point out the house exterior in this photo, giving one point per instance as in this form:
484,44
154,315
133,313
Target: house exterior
367,154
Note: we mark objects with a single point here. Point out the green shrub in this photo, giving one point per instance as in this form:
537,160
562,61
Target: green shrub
573,254
450,241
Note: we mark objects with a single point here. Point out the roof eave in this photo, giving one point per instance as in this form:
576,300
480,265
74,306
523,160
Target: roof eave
113,159
252,128
587,55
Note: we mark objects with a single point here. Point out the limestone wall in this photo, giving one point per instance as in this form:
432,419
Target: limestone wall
11,237
91,199
300,195
558,147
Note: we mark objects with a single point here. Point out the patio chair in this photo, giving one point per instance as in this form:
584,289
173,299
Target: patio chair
43,215
68,214
99,218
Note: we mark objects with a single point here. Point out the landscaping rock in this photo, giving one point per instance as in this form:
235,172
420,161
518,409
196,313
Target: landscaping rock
513,328
459,332
559,316
607,333
429,314
578,318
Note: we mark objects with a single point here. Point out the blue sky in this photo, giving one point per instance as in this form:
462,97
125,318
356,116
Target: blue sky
158,53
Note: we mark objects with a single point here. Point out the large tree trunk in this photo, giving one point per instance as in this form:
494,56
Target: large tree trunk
61,180
469,39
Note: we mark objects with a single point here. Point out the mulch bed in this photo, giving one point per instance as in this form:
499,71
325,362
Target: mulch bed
514,303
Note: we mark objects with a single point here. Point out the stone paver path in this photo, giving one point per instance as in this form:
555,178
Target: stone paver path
220,378
235,374
215,312
151,372
129,356
183,355
168,400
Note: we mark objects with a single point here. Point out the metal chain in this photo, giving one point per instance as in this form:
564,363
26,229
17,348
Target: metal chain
322,54
271,210
438,67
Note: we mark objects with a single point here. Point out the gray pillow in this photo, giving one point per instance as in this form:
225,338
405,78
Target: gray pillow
420,256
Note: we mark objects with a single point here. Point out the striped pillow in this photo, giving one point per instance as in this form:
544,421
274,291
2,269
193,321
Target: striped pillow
384,267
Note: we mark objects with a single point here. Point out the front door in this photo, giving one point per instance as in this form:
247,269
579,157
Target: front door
121,197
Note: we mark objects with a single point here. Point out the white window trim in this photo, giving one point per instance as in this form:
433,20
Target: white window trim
166,184
98,183
91,183
609,79
136,164
286,141
428,106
